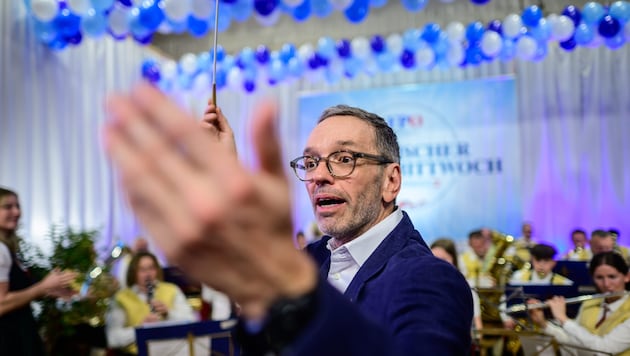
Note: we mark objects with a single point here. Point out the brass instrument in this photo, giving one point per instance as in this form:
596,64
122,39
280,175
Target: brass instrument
517,308
490,298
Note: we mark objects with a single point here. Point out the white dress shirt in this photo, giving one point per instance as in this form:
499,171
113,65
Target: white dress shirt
614,342
347,259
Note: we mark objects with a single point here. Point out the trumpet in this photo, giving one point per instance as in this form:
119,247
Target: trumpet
517,308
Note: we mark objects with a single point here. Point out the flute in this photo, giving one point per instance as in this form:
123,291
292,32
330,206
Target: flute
524,307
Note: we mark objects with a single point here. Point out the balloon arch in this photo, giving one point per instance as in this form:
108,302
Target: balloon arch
525,36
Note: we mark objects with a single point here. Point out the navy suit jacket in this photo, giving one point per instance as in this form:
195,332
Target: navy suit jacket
402,301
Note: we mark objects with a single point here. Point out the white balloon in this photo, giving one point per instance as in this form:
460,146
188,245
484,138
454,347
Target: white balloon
44,10
491,43
340,5
176,10
562,28
425,57
188,63
511,26
235,78
201,83
202,9
79,7
526,48
305,52
456,31
169,69
455,54
117,21
361,47
394,44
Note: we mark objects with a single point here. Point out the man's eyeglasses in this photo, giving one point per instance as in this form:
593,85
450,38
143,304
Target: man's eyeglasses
340,164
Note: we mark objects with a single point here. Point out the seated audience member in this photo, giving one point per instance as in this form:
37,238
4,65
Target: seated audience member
581,250
475,262
147,300
542,269
444,248
602,324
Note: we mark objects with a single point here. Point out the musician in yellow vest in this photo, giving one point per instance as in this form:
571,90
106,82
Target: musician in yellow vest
148,300
541,272
475,262
581,250
602,324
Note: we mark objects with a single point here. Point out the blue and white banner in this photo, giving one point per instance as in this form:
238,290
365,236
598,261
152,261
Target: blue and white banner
459,146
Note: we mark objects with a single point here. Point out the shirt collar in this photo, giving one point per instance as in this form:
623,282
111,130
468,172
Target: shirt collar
363,246
617,303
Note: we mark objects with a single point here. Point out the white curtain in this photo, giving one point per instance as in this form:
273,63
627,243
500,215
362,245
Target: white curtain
573,114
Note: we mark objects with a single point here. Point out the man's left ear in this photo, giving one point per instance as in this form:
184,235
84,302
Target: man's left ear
392,182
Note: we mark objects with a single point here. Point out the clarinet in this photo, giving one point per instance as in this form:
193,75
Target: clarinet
150,292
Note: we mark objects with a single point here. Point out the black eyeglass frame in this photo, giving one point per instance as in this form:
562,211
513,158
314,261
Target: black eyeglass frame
379,159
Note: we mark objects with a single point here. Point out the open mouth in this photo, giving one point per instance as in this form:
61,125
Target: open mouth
329,201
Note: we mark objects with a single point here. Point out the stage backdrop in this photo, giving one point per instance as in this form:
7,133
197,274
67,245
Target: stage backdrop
459,146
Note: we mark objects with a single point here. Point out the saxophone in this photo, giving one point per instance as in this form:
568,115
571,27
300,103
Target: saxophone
499,270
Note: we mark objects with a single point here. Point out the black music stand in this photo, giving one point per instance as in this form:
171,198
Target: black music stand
577,271
205,337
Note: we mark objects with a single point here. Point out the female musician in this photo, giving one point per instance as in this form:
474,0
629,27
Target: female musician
602,324
147,300
19,334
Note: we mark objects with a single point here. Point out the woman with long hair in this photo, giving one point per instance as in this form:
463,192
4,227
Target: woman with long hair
602,324
18,330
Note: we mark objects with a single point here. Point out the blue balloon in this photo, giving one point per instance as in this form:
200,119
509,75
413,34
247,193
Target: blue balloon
265,7
542,32
541,51
250,73
287,51
474,32
220,53
67,23
352,67
262,54
75,38
441,46
573,13
295,67
126,3
303,11
221,78
407,59
58,43
584,34
247,56
102,5
609,27
358,11
94,23
150,71
474,55
479,2
343,48
45,31
431,32
135,26
615,42
229,1
151,15
592,12
621,11
414,5
508,50
321,8
225,18
326,47
277,71
385,61
495,25
531,15
242,10
377,43
177,27
568,45
377,3
249,86
411,39
197,27
143,40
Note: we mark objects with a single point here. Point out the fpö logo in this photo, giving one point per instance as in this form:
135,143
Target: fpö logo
436,156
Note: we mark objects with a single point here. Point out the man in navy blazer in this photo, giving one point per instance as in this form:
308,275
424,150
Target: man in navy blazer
379,290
